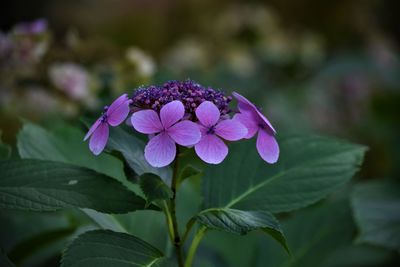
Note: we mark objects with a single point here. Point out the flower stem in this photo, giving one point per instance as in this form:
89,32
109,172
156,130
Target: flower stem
176,240
193,246
169,220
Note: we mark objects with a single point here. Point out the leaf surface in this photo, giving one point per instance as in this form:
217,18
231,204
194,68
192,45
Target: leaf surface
45,186
308,170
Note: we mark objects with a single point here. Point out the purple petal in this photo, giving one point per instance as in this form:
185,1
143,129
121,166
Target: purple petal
160,150
208,113
92,129
185,133
146,121
171,113
243,103
231,130
211,149
245,106
267,146
117,102
119,114
249,121
99,139
265,121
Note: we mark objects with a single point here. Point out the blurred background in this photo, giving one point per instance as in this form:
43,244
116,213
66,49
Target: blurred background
330,67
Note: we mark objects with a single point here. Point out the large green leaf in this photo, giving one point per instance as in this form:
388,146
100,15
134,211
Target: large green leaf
65,144
313,236
132,149
376,207
45,186
309,169
106,248
242,222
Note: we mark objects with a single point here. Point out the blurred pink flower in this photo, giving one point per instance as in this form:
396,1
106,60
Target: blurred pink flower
70,78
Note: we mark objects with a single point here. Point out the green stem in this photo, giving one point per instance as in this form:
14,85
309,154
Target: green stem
193,246
177,240
169,221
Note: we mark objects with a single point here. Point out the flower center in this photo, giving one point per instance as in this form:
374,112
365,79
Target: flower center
261,125
104,114
211,130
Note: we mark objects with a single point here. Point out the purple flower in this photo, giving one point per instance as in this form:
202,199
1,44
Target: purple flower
211,148
113,115
255,122
161,149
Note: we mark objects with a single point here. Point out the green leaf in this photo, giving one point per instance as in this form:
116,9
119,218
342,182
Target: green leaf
376,207
189,172
106,248
308,170
241,222
154,188
46,186
65,144
132,150
313,235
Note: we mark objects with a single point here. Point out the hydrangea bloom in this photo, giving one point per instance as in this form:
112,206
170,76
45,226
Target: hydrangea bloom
161,149
211,148
113,115
255,121
187,114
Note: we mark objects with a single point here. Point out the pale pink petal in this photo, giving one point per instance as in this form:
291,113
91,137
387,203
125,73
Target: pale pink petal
267,146
99,139
92,129
117,102
207,113
160,150
231,130
185,133
211,149
247,120
119,114
171,113
146,121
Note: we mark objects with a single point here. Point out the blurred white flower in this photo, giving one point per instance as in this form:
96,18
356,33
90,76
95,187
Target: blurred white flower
71,78
241,61
144,63
185,55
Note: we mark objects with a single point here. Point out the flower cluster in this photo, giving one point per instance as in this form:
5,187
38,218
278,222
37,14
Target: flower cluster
187,114
191,95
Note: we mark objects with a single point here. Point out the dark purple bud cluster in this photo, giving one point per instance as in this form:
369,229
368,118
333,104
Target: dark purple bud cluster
190,93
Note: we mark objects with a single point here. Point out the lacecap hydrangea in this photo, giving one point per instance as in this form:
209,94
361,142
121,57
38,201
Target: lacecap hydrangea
184,113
